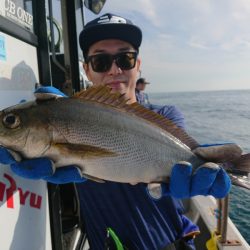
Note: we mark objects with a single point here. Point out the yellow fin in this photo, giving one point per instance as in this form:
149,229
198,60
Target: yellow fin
82,151
103,95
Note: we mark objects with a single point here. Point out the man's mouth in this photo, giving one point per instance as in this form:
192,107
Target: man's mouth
115,85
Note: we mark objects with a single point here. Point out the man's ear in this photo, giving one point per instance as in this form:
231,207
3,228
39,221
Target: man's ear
85,66
138,64
86,69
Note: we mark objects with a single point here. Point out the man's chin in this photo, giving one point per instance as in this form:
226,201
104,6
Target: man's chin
130,98
115,90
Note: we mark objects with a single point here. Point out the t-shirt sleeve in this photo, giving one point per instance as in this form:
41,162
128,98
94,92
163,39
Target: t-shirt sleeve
170,112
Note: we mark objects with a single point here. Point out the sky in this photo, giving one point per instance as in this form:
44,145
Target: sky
190,45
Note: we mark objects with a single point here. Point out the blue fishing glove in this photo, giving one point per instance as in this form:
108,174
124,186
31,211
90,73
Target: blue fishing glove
42,168
208,179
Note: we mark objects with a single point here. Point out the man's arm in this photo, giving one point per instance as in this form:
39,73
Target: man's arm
170,112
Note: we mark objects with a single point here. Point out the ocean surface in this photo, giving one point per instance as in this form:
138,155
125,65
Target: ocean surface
218,116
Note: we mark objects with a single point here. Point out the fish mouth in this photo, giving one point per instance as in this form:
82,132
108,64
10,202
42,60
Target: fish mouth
17,156
13,144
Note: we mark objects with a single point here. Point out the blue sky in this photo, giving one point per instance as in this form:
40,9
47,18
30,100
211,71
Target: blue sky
190,45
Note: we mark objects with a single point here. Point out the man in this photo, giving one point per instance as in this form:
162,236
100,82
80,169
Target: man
140,218
141,96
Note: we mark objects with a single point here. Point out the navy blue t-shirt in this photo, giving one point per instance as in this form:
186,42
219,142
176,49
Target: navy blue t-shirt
139,221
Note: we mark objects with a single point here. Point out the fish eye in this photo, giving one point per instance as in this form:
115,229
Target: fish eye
11,121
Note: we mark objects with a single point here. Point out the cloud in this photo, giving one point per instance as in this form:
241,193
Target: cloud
197,42
149,10
191,43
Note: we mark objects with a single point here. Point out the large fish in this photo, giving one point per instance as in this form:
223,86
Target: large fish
106,138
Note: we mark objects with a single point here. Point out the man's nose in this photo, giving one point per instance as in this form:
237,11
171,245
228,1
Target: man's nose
114,70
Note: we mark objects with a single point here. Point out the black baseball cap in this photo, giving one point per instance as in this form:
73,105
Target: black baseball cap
109,26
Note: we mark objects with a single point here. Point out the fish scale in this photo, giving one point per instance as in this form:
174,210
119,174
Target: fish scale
105,137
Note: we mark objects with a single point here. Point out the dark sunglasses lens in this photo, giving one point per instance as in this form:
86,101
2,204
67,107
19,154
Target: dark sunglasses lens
101,63
126,61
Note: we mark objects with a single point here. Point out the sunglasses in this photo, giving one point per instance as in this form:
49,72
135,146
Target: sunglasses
103,62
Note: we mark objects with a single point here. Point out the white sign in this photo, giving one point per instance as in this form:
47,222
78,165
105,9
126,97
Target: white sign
11,10
24,213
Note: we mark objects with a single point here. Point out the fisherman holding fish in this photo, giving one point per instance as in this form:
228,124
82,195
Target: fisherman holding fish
142,217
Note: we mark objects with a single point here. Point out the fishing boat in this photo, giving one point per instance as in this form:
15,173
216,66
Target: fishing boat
217,229
40,215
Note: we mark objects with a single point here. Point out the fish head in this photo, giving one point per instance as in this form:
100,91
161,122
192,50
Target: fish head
24,130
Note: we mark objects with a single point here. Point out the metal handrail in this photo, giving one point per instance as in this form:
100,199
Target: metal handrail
53,51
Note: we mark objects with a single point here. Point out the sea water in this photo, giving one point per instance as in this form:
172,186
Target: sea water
214,117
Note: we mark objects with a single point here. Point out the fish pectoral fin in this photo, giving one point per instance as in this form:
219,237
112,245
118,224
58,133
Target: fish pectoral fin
219,153
82,151
92,178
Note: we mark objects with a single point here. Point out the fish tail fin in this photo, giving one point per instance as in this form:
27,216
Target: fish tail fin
239,170
240,181
219,153
238,166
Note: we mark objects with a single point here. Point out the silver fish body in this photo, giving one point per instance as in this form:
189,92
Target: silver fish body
136,150
105,142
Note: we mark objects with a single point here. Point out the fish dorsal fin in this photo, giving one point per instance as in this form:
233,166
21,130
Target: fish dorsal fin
103,95
163,123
